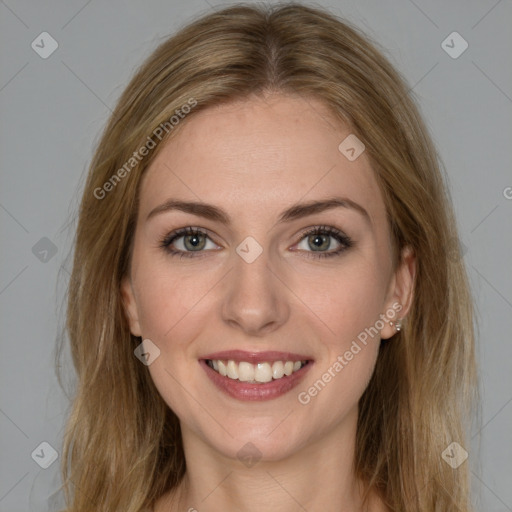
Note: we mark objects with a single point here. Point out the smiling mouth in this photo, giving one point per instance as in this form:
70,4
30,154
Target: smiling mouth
259,373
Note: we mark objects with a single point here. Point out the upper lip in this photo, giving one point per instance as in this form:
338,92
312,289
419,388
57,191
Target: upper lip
256,357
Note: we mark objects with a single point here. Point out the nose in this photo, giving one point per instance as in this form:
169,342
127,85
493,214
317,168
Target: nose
255,298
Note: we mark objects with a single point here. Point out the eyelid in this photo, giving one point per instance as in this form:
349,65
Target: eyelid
185,231
344,240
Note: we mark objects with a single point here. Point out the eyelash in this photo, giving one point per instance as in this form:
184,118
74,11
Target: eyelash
345,241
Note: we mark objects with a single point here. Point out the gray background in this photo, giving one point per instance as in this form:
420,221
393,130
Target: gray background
52,112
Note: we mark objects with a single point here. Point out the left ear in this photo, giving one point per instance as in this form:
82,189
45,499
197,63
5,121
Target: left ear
401,291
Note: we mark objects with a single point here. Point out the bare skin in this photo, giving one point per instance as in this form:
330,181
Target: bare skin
254,159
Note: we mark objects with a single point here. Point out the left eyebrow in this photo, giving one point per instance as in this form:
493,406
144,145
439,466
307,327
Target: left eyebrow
211,212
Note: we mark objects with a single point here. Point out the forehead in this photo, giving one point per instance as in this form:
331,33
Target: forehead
258,155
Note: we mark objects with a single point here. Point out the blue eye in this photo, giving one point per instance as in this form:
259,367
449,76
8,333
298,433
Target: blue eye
194,240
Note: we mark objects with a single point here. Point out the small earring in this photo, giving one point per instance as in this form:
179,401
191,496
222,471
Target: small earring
398,325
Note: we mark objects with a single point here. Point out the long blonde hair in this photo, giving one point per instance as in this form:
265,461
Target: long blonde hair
122,445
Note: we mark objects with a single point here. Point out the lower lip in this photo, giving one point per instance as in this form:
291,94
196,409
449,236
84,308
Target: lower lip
256,392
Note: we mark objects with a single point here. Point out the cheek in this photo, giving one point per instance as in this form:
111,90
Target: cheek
168,299
346,300
171,314
350,311
348,303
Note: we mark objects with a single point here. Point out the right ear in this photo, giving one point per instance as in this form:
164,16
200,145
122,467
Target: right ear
130,306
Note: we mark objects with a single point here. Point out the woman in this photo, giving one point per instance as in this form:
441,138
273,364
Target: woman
267,305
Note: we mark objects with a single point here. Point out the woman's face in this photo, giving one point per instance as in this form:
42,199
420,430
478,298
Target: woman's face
258,285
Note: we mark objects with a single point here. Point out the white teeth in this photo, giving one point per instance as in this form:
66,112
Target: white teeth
263,372
245,371
232,370
222,368
278,369
260,372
